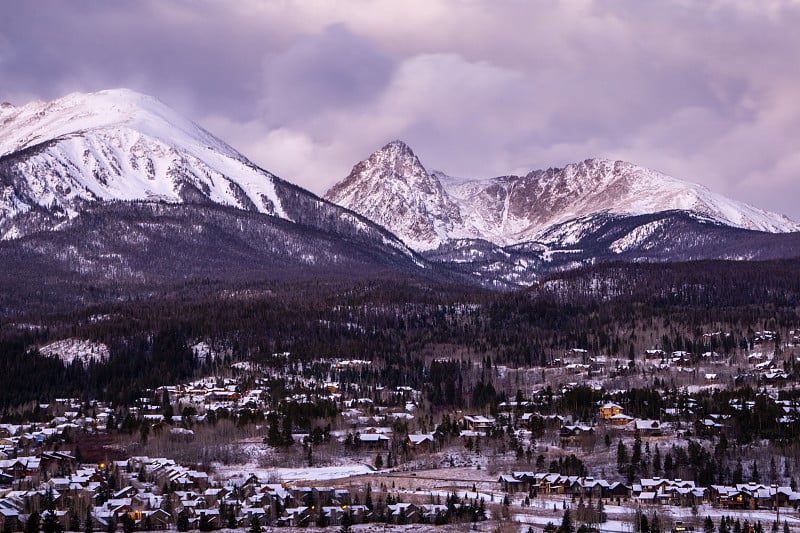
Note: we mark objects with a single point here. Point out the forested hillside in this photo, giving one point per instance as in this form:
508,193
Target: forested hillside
403,326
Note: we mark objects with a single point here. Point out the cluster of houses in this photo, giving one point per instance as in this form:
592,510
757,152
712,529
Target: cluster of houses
652,491
157,493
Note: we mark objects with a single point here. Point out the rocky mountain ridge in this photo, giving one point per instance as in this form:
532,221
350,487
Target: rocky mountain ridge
510,210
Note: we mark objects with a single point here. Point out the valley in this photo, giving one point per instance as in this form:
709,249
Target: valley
190,342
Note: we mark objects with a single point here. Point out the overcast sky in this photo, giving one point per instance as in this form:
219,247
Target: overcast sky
704,90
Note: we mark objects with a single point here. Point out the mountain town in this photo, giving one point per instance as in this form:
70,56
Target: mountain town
371,266
204,454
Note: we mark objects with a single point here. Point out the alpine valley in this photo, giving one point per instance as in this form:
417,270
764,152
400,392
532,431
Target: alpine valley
114,187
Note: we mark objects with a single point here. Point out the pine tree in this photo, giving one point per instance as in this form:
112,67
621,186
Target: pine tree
622,455
32,525
88,523
286,434
566,523
274,432
182,523
368,497
205,523
166,407
346,523
50,523
322,518
255,525
128,524
636,456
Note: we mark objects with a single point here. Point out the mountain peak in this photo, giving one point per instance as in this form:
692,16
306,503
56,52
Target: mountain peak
397,145
392,188
118,145
398,161
397,149
114,109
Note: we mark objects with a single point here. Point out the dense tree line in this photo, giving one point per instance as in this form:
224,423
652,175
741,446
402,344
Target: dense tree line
416,333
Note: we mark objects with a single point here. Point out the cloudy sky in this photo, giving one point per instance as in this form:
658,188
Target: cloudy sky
707,91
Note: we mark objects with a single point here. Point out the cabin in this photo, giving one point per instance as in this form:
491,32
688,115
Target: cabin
575,434
9,520
295,517
421,442
374,441
512,485
478,422
402,513
648,428
620,420
609,410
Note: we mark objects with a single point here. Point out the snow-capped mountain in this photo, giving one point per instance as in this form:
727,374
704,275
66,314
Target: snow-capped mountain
97,182
393,189
118,145
117,186
427,209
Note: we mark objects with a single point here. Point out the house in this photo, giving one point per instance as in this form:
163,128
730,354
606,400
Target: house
421,442
156,519
607,410
295,517
620,420
575,434
617,490
402,513
593,488
432,512
728,497
9,519
548,483
322,496
478,422
688,496
512,485
374,441
655,484
709,426
648,428
537,421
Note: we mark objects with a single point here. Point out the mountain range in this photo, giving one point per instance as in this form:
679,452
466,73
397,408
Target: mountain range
116,186
514,229
429,209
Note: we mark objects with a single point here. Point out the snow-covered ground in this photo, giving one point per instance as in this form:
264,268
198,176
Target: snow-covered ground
262,459
70,349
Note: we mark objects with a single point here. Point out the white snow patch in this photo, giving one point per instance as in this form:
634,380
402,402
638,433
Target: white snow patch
70,349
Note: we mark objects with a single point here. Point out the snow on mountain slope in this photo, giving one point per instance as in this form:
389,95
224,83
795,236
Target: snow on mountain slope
428,209
70,349
394,190
119,145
